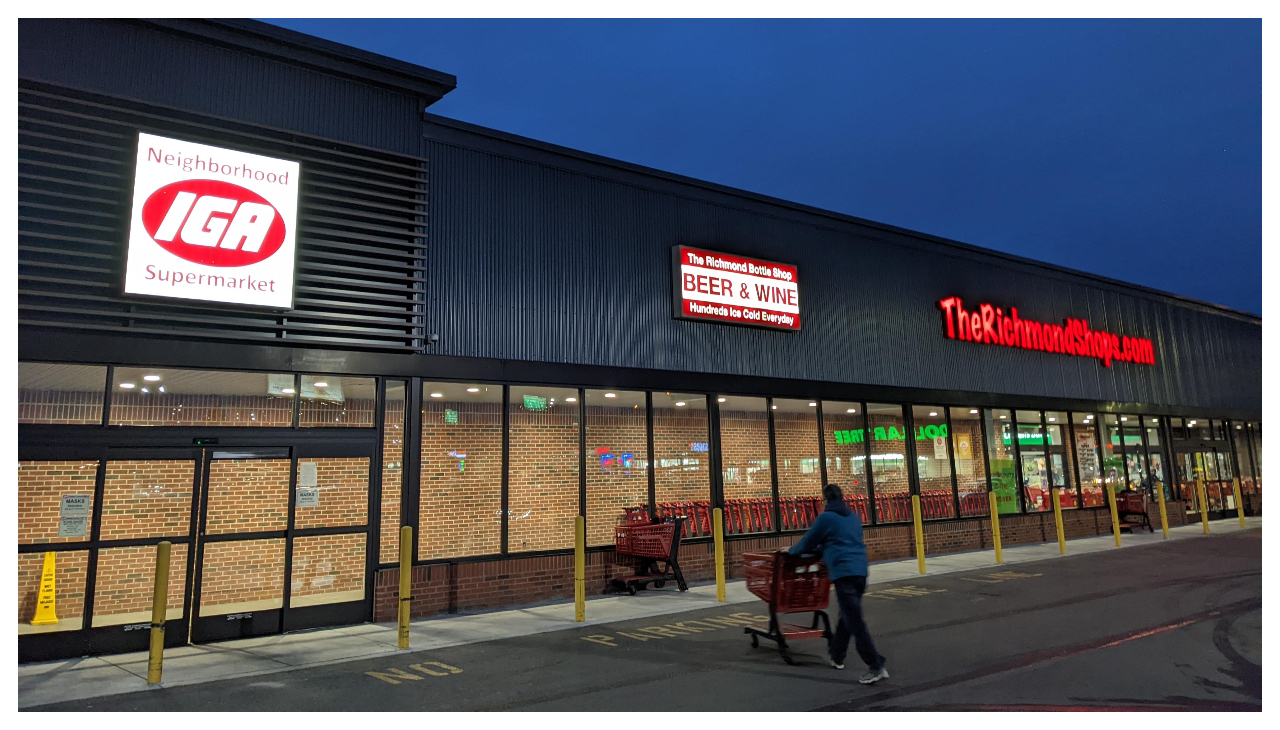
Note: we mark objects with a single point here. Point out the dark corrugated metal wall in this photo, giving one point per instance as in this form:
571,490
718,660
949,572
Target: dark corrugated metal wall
531,260
163,68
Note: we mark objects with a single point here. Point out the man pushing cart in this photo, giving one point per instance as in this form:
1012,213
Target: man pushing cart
837,535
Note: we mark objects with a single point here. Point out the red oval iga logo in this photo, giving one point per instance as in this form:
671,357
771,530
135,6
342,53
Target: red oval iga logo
213,223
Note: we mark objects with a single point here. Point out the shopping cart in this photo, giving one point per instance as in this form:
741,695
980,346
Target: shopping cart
1132,503
790,584
651,545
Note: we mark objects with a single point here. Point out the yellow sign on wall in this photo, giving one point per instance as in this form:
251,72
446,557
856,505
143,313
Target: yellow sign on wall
963,448
45,610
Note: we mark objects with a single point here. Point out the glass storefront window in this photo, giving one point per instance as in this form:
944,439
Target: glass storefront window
682,458
1060,467
392,471
53,393
971,473
147,498
1134,455
329,400
889,462
1000,454
1198,429
543,476
71,569
1112,454
933,461
748,479
120,597
460,477
795,438
617,460
1155,457
55,501
1177,429
843,426
1035,462
1257,454
155,397
1088,464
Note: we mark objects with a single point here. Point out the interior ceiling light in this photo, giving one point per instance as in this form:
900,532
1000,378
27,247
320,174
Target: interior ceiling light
473,390
144,389
679,403
321,384
610,395
1051,420
151,378
437,395
1122,418
286,391
973,410
568,400
811,405
720,400
852,410
933,413
775,408
162,389
127,386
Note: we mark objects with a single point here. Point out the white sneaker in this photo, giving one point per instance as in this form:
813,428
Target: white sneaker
833,663
873,677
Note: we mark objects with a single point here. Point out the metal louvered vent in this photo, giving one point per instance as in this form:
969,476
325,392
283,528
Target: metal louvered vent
361,229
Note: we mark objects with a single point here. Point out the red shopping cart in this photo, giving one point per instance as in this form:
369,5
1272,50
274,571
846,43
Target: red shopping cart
790,584
1132,503
651,545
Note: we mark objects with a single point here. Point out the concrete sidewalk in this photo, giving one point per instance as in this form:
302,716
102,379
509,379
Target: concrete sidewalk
97,676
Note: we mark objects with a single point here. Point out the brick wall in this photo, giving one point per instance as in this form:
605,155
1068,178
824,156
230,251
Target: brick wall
240,571
126,579
319,413
70,570
460,482
448,588
324,564
392,478
681,474
60,406
744,448
846,461
134,408
795,438
147,499
617,468
543,478
888,474
248,495
343,485
41,485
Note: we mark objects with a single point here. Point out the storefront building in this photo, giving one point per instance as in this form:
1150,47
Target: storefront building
271,310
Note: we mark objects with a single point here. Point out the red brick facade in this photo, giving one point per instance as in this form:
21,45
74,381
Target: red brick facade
126,578
460,481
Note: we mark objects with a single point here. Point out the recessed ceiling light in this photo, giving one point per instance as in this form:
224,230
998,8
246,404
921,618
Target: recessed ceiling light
320,384
811,405
775,408
126,386
973,410
852,410
286,391
151,378
1122,418
933,413
679,403
568,400
437,395
610,395
473,390
720,400
1051,420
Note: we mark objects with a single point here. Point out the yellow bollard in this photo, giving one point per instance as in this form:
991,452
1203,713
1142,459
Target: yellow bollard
1164,515
406,587
915,509
1115,515
995,525
159,607
1235,487
1057,519
717,531
1204,504
580,569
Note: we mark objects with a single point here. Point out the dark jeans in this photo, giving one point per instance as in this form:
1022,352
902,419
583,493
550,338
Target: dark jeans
849,595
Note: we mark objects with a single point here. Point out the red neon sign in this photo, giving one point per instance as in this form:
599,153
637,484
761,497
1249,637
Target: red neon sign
990,326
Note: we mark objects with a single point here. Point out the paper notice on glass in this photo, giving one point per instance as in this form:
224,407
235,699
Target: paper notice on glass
308,497
73,527
940,447
308,476
280,384
75,505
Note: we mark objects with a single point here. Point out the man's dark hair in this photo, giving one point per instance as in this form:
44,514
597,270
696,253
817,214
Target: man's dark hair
832,491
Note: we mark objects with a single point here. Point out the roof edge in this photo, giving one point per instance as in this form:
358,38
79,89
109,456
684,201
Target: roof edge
296,48
822,212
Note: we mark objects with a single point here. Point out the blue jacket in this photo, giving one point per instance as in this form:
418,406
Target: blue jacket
837,536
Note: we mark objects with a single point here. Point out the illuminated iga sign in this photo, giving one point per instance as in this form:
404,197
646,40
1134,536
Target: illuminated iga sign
211,224
716,287
988,325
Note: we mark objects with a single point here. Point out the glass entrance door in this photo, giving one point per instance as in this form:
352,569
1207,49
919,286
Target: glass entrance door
283,540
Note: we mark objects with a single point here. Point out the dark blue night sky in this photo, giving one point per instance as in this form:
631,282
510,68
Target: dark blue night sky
1131,149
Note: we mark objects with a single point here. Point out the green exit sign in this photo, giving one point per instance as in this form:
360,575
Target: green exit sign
535,403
